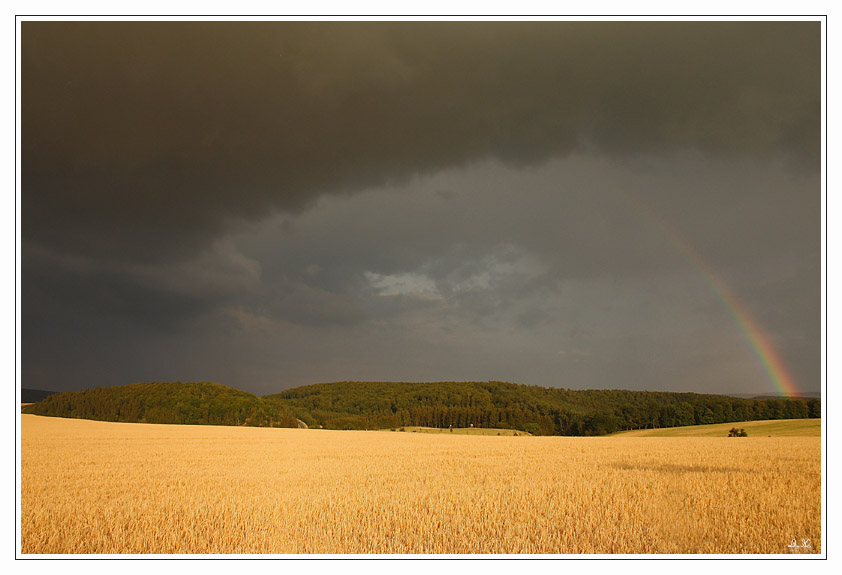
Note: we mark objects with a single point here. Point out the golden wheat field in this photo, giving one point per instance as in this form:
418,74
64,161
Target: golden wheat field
97,487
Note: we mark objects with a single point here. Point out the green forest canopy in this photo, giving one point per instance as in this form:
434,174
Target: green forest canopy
186,403
379,405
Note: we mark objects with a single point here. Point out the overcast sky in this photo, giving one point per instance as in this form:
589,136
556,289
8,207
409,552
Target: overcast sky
273,204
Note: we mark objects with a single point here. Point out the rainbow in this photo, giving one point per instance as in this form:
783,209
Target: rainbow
752,332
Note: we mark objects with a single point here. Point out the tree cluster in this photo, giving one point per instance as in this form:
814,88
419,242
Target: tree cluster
184,403
538,410
385,405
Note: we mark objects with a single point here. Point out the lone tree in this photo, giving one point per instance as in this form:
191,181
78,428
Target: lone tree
737,432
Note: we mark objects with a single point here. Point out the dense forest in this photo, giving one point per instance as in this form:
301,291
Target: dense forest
383,405
187,403
538,410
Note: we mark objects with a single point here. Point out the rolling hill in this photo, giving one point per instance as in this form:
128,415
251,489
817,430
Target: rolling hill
384,405
537,410
186,403
775,428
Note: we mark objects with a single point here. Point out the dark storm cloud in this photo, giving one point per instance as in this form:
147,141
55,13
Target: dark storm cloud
300,303
270,204
154,135
162,296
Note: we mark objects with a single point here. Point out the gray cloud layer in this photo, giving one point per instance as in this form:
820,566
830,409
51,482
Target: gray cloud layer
148,131
267,204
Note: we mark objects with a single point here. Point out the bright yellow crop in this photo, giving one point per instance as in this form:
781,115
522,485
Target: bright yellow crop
96,487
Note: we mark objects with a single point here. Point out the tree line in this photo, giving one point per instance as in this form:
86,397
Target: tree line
537,410
184,403
384,405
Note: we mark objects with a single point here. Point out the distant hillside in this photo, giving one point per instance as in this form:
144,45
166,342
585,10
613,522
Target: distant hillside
33,395
775,428
186,403
385,405
806,395
537,410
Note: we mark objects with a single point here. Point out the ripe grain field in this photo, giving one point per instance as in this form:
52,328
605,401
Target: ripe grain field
97,487
768,428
